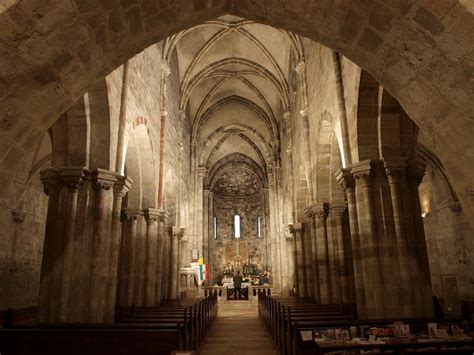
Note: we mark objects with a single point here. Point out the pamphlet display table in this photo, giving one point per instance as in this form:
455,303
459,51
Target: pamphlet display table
397,345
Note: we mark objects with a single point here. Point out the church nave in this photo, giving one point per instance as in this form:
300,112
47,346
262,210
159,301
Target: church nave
160,160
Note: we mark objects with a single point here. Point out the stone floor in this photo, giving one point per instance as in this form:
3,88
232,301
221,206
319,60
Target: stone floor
238,331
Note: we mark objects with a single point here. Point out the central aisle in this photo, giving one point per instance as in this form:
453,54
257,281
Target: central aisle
238,331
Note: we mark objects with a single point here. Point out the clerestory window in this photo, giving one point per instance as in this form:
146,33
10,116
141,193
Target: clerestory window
259,226
215,227
236,226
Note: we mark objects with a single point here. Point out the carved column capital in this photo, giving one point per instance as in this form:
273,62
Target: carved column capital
50,179
321,210
132,214
415,172
309,211
152,215
201,171
73,177
362,172
295,227
122,185
337,209
345,179
304,114
395,170
206,193
164,113
18,216
176,232
164,215
286,115
456,208
165,68
104,180
181,115
300,67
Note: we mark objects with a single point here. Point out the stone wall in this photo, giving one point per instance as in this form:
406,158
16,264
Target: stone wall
250,248
449,237
21,245
22,222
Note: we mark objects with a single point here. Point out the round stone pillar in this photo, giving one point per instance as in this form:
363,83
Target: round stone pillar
151,216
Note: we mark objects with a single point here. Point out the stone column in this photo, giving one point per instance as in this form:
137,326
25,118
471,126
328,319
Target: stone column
274,238
340,256
210,229
73,179
414,176
299,262
120,157
289,151
151,216
286,255
205,226
321,213
268,250
184,251
121,187
406,299
75,278
347,182
103,184
201,174
311,255
175,234
165,261
49,294
368,241
128,282
160,255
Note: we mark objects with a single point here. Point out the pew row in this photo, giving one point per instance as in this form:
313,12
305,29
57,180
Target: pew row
177,325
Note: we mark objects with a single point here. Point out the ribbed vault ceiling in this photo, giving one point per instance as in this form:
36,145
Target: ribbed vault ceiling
235,78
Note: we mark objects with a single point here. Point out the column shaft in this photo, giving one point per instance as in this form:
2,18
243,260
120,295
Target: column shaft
151,217
347,182
52,187
112,299
320,212
368,241
68,252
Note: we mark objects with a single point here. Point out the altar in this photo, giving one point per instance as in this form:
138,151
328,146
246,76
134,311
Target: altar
229,285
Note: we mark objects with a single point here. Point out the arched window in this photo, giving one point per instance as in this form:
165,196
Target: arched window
259,226
236,226
215,227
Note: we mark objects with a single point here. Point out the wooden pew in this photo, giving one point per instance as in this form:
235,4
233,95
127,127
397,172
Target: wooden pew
139,330
90,339
10,317
197,316
280,314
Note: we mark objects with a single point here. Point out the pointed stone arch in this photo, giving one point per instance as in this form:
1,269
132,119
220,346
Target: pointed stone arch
398,53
